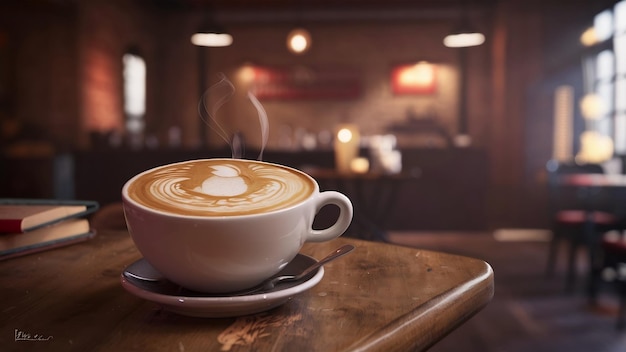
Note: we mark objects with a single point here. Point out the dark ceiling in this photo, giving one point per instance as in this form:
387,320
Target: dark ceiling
277,5
368,4
335,5
249,11
340,10
419,8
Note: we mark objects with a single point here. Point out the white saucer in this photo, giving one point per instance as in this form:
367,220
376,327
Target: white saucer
179,300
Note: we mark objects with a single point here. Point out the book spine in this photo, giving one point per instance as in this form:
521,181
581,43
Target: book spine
11,225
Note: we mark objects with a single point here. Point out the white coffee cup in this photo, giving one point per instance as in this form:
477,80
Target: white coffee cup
222,225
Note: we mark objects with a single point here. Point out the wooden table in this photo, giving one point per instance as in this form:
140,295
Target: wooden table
380,297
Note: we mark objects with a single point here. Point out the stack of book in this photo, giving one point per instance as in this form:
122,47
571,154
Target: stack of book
33,225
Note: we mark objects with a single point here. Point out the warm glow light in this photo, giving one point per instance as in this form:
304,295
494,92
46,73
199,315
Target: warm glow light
461,40
589,37
592,107
100,105
344,135
298,41
247,74
595,148
346,146
212,39
421,74
360,165
562,149
418,78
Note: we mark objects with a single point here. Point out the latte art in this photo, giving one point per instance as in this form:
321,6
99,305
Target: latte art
220,187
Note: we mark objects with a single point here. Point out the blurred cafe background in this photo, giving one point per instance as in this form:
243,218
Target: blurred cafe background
445,120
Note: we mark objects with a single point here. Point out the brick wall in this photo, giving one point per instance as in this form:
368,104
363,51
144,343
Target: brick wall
66,77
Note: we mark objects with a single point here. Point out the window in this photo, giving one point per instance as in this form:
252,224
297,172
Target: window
134,93
619,47
605,68
606,77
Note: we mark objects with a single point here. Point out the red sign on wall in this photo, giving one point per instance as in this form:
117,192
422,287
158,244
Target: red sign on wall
305,82
418,78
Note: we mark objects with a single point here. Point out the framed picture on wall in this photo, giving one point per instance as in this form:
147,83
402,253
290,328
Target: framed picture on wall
414,78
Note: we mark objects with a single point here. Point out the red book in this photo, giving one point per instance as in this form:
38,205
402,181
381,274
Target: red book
34,225
22,215
20,218
58,234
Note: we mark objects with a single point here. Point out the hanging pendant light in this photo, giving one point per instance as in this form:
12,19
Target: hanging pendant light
299,41
463,39
464,35
211,35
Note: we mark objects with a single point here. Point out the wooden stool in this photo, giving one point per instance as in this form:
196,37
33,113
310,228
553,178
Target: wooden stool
580,229
577,216
614,270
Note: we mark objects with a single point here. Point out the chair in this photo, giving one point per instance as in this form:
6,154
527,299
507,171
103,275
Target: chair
578,217
614,271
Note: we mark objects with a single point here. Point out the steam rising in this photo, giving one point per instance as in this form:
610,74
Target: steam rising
213,99
265,126
223,91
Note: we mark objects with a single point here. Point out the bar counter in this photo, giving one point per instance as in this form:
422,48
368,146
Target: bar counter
448,192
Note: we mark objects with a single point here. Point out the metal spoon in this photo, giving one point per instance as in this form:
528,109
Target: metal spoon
273,281
142,270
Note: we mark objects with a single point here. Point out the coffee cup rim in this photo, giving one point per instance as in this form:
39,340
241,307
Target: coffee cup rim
135,203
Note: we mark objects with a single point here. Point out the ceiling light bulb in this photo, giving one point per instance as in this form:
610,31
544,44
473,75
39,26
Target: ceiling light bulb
299,41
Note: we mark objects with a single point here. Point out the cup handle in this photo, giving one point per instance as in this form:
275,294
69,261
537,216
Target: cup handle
342,223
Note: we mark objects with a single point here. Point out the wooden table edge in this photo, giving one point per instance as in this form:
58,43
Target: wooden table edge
421,328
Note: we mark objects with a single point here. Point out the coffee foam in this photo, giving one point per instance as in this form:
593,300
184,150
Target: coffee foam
220,187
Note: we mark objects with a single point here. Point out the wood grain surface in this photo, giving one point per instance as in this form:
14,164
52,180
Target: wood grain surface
380,297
